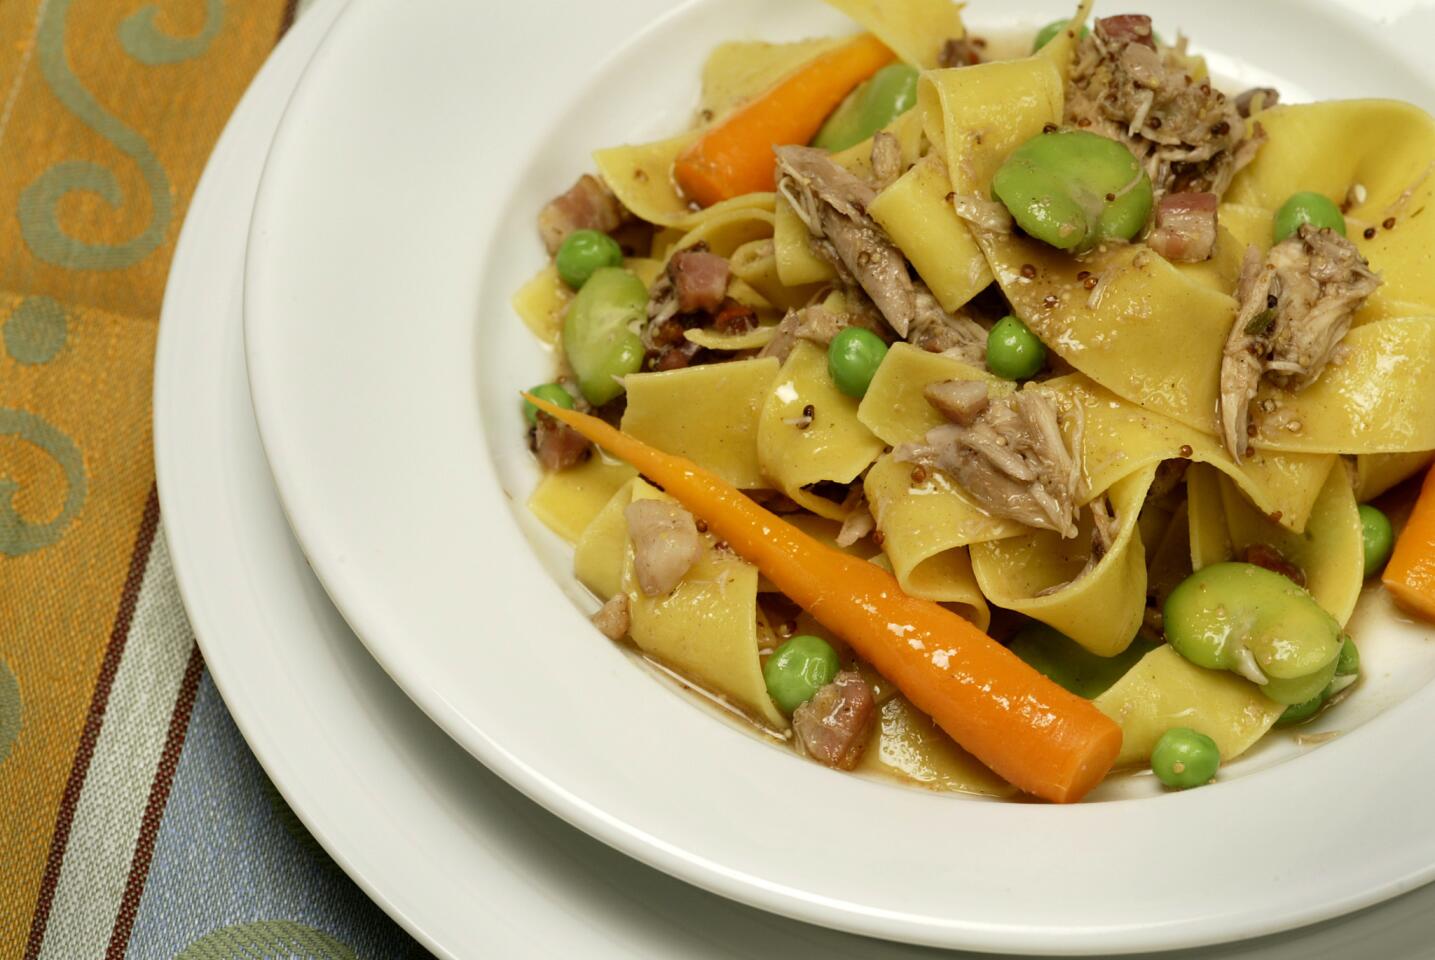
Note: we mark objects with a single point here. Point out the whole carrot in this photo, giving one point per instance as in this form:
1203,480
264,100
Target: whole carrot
1041,738
1410,574
734,156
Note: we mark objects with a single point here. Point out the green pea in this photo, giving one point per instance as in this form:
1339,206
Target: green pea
584,251
1074,190
1377,538
551,392
1258,624
1312,208
600,332
1068,664
798,669
891,92
1348,663
1013,351
853,358
1048,33
1184,758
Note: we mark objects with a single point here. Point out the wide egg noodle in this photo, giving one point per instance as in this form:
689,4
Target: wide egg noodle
1376,399
966,600
598,555
975,116
907,746
794,452
723,227
706,628
1376,473
1384,146
754,339
1329,552
1166,690
1060,50
916,214
915,30
568,500
1145,331
894,407
1046,577
755,263
926,528
737,71
1120,437
707,413
1208,535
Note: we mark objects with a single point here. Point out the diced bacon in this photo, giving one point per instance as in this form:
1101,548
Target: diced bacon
1128,28
666,544
557,445
700,279
834,725
588,205
1185,227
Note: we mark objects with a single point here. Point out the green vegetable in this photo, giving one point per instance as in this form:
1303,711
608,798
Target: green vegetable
1256,623
1312,208
584,251
1074,190
1064,662
551,392
798,669
853,358
599,332
1347,670
1013,351
1183,758
891,92
1377,538
1048,33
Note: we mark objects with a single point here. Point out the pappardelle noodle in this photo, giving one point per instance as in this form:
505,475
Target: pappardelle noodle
1056,382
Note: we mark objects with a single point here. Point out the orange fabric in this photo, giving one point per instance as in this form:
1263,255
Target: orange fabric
93,97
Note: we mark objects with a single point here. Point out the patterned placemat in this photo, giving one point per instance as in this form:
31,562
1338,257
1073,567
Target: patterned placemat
134,822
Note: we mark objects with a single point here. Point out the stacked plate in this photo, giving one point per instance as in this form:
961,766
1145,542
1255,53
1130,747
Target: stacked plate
386,185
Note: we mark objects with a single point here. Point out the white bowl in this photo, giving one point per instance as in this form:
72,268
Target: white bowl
395,220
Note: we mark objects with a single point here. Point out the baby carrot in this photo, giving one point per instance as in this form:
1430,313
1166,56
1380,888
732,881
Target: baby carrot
735,157
1044,740
1410,574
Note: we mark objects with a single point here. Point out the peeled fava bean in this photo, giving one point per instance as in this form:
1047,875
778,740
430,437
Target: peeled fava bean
1258,624
599,335
891,92
1347,671
1074,190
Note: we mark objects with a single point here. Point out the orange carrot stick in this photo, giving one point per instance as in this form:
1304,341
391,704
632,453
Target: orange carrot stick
1038,736
734,157
1410,574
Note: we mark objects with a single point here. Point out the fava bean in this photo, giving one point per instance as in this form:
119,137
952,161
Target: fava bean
1065,662
599,335
798,669
1013,351
584,251
853,358
1073,190
1185,758
1048,33
1258,624
1377,538
1347,671
551,392
1312,208
891,92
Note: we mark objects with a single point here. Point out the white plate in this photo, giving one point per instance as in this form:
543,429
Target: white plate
468,865
394,222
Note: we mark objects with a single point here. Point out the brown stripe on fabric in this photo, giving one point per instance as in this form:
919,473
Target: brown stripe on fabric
154,807
94,719
291,9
